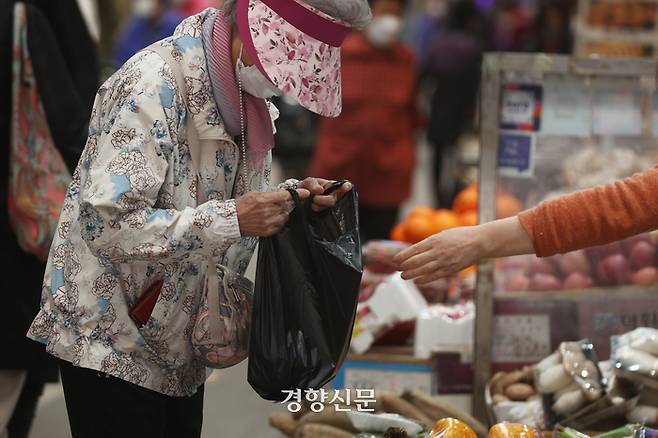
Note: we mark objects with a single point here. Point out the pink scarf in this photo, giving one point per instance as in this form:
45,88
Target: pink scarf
260,139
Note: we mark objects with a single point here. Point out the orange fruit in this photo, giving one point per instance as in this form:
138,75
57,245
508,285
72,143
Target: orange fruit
468,218
513,430
398,233
417,228
507,205
421,211
451,428
444,220
466,200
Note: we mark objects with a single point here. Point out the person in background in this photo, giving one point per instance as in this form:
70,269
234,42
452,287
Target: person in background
191,7
586,218
454,66
552,29
512,26
151,21
372,143
426,25
66,70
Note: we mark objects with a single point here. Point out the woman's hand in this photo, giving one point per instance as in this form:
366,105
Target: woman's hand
440,255
450,251
317,186
264,214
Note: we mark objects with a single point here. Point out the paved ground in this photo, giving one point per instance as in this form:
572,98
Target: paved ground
232,409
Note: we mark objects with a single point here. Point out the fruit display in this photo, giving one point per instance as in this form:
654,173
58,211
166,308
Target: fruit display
622,14
630,262
423,222
410,414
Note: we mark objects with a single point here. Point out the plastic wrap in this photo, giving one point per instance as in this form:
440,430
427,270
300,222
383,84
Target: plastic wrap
636,352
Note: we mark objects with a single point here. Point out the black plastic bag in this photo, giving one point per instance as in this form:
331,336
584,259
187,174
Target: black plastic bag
306,292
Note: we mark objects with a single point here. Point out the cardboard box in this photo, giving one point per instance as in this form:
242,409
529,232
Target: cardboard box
387,369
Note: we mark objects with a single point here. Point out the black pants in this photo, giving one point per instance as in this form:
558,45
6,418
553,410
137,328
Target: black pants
376,222
102,406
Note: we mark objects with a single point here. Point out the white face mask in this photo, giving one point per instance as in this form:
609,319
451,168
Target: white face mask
144,8
384,30
253,81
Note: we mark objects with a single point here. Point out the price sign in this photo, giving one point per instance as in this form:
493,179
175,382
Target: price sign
521,338
520,107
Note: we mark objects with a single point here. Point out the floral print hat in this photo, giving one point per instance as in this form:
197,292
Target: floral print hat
297,47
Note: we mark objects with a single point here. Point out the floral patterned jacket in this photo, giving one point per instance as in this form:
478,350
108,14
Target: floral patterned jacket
131,218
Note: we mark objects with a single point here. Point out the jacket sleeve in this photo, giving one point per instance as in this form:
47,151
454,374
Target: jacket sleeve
126,169
595,216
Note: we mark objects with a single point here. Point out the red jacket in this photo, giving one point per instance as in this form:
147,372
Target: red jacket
372,142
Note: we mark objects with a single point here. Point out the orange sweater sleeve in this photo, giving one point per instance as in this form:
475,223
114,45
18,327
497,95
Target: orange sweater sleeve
595,216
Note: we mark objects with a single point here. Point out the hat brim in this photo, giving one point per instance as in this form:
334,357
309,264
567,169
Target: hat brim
299,54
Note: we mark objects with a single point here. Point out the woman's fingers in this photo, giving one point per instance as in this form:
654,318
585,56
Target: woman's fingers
427,279
422,270
417,260
412,251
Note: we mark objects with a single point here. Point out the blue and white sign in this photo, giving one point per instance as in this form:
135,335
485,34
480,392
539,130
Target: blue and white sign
516,155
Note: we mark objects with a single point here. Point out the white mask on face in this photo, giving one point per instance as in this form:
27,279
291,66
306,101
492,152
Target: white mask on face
384,30
253,81
144,8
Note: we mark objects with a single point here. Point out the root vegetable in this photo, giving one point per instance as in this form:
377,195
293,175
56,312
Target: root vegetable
554,379
436,408
569,402
645,363
574,386
642,254
401,406
548,362
519,392
511,378
598,253
575,262
538,265
320,431
499,398
642,414
645,277
629,243
528,374
283,422
518,283
494,384
577,280
613,270
330,418
544,283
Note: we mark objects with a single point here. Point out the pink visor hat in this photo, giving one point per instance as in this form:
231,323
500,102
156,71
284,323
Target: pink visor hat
297,48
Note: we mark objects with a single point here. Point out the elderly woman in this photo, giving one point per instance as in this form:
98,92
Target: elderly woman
135,213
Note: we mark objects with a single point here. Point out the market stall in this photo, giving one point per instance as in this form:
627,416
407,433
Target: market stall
551,125
620,28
